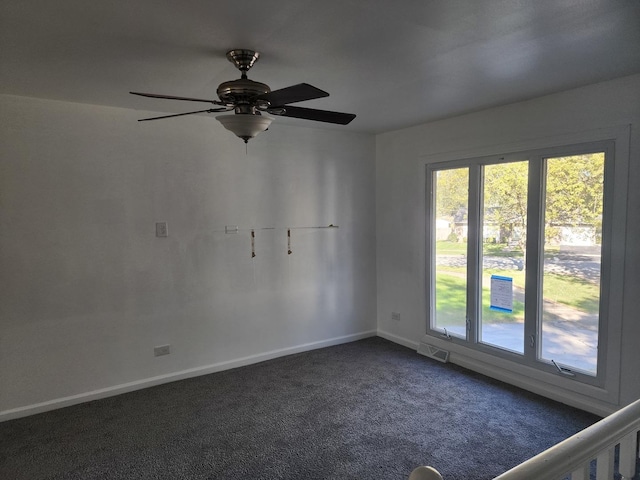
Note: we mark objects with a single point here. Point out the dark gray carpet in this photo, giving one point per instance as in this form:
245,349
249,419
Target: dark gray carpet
365,410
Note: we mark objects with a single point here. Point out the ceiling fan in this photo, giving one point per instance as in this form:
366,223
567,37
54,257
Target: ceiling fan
249,99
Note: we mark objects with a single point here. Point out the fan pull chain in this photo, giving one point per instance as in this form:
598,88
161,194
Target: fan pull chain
289,252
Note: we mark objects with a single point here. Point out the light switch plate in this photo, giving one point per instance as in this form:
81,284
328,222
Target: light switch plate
162,229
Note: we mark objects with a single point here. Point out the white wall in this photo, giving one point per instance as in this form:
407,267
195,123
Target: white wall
400,198
88,290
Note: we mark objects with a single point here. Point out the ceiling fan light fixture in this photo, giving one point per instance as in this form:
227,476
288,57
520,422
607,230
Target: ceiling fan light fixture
245,126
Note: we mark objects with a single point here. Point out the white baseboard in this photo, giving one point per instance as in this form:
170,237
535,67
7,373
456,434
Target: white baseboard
172,377
585,397
517,379
399,340
569,398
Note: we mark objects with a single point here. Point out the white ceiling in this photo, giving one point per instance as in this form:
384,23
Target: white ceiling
393,63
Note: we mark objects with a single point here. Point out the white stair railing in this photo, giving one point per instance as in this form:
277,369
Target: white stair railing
572,457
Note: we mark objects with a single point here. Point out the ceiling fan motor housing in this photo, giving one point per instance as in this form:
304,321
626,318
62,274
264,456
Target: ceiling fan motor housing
241,91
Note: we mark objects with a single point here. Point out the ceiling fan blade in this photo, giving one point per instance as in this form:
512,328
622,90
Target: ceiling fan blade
209,110
172,97
313,114
293,94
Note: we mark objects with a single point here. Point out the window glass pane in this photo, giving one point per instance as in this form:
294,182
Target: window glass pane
572,251
450,293
504,233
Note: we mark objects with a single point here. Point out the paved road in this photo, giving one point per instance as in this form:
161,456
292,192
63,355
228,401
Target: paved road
586,267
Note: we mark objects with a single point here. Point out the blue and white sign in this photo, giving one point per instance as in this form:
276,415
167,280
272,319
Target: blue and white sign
501,294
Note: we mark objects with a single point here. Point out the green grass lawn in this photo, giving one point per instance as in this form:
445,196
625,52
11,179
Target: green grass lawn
451,248
571,291
444,247
451,303
451,295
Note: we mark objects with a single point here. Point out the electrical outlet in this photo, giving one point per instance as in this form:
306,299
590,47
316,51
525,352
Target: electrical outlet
230,229
395,316
162,229
161,350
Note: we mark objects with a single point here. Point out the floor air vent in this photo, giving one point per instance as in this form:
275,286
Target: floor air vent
433,352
